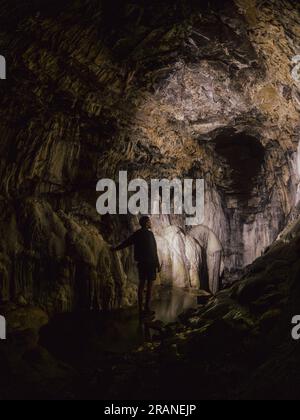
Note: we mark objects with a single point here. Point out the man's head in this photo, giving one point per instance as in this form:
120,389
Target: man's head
145,222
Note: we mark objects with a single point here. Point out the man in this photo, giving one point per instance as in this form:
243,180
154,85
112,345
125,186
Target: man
145,253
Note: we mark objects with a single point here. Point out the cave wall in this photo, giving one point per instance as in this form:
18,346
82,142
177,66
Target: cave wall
95,87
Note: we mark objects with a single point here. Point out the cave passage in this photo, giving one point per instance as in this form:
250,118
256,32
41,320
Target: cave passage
244,156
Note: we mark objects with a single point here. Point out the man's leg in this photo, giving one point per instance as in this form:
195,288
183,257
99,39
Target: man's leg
141,289
149,295
141,295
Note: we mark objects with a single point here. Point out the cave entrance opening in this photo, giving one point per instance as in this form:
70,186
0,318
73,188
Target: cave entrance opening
243,156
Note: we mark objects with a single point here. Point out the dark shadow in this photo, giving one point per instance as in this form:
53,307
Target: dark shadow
204,271
244,156
84,338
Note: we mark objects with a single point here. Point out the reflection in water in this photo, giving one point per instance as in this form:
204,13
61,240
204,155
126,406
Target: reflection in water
172,302
82,338
122,331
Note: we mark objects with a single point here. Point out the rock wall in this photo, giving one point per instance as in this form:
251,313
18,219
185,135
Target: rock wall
60,262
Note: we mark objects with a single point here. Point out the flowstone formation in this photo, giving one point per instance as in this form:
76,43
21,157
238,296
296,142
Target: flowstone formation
179,89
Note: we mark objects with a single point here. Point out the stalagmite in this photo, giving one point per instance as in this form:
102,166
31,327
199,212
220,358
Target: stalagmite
213,248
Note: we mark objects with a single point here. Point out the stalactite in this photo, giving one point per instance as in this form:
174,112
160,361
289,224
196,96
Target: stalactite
180,258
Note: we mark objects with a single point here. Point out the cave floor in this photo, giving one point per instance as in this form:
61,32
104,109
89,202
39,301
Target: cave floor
227,348
89,344
81,338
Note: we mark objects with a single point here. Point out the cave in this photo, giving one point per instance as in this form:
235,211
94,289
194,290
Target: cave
170,90
245,156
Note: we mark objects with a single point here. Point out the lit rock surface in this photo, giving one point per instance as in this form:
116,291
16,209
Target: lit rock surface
180,258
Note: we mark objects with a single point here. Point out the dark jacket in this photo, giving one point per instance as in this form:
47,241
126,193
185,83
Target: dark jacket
145,247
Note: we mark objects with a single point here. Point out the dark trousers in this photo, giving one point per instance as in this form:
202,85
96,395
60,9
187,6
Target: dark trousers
147,274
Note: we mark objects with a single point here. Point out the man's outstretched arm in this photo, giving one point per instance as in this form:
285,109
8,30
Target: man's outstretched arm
125,244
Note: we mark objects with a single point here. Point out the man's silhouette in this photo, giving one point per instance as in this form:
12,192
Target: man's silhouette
145,253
